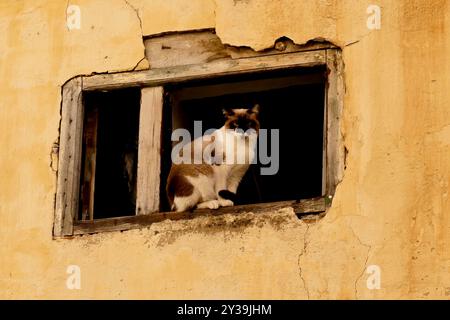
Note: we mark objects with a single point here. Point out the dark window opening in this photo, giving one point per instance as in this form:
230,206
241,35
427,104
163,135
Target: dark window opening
292,101
109,158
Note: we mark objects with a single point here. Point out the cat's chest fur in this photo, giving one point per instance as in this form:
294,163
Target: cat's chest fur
233,149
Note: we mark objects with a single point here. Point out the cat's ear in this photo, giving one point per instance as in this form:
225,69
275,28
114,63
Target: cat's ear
228,112
254,110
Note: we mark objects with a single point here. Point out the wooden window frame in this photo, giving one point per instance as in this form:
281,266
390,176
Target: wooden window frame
151,82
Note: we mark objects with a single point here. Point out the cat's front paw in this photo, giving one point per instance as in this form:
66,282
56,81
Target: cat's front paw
211,204
226,203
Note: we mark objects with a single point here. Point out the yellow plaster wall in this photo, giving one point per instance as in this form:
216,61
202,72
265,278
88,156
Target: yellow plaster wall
391,210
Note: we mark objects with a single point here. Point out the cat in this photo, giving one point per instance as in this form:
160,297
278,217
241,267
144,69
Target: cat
226,156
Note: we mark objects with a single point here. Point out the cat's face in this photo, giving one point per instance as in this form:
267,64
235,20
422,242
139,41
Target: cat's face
242,119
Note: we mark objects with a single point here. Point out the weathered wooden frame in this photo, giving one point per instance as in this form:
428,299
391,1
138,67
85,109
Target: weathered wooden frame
151,83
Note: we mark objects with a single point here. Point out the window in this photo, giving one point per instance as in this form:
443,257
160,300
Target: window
109,154
115,140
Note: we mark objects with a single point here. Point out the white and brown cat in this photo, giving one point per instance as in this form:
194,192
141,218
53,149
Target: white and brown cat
226,156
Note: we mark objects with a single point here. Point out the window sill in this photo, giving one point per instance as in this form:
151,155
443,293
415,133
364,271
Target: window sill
308,209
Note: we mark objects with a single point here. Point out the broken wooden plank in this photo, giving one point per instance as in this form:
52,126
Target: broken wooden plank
149,151
90,160
307,206
335,154
154,77
70,142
